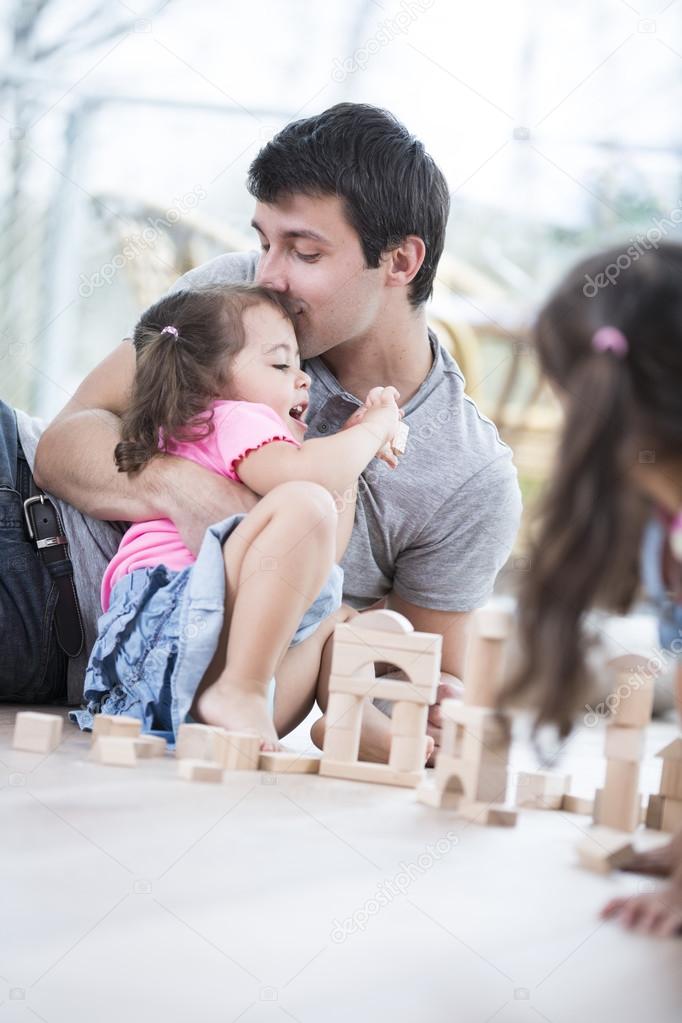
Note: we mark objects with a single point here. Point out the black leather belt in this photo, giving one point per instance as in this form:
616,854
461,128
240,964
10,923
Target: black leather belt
46,530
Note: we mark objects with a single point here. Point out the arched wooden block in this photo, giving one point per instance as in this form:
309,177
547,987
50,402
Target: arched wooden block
382,620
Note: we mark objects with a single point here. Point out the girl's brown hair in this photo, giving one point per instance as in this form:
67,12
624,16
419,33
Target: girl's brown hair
620,412
177,377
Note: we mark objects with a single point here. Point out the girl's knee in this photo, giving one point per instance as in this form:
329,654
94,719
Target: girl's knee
308,504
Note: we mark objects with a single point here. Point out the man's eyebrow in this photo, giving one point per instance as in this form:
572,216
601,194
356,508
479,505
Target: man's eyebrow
302,232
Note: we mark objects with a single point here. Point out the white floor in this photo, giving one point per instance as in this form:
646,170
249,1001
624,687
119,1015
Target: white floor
127,894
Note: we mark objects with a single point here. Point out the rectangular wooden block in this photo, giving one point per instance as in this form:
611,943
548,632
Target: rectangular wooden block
577,804
620,801
381,689
340,744
634,700
236,751
37,732
147,746
654,812
541,790
604,850
624,743
200,770
488,814
671,819
194,742
115,724
115,750
377,774
283,762
671,779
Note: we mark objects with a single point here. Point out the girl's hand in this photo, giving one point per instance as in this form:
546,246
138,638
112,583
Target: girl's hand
383,416
373,400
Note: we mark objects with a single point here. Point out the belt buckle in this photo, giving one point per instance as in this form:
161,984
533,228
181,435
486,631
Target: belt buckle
29,501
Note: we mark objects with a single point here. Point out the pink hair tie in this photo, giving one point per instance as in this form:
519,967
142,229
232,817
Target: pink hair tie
610,339
170,330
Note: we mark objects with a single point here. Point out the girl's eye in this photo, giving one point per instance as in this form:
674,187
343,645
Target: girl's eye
282,366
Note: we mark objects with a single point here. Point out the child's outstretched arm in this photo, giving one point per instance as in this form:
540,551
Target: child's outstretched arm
333,462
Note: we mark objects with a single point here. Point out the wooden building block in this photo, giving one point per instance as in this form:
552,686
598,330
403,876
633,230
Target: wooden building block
194,742
624,743
541,790
619,802
488,814
115,750
671,818
37,732
200,770
382,620
377,774
383,688
633,700
408,753
604,850
671,779
236,751
409,718
119,725
399,442
485,659
147,746
654,812
285,762
577,804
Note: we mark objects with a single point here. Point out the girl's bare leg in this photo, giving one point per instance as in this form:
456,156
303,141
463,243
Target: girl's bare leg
276,562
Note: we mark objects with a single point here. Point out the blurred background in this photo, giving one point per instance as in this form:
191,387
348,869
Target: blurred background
126,130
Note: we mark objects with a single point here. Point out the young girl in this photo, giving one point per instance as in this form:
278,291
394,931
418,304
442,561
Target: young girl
614,358
218,380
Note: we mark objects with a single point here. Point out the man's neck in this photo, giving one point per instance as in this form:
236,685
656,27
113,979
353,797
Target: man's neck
396,354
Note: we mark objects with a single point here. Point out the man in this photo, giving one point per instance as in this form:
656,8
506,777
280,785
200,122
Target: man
350,216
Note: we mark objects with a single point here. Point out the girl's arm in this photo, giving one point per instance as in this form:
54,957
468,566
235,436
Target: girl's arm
334,462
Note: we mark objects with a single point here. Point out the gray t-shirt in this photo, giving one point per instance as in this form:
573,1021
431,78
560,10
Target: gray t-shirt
437,529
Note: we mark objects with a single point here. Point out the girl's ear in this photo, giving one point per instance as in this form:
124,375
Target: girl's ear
404,262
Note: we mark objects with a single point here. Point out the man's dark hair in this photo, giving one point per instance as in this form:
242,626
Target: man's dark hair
389,184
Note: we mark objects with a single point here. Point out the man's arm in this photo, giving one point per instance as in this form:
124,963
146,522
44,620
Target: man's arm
75,462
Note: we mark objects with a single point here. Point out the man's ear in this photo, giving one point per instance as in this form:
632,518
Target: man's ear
403,262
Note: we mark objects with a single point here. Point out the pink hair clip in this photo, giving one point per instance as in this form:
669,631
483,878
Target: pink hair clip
170,330
610,339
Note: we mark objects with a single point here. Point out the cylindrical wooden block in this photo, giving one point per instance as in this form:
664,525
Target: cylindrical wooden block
409,718
408,753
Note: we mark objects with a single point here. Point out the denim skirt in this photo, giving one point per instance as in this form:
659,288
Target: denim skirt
159,635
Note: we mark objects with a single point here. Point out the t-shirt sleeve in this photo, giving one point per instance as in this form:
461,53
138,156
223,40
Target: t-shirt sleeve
243,427
453,564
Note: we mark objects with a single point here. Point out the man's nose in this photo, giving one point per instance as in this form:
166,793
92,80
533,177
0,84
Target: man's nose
270,273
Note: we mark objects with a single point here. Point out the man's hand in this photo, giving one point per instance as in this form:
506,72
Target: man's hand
195,498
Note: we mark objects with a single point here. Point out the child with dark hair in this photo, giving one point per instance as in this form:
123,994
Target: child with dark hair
218,381
612,515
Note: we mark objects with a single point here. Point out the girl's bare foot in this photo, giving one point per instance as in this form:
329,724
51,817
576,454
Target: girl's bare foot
237,708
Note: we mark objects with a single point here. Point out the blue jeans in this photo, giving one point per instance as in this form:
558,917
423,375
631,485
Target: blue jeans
32,666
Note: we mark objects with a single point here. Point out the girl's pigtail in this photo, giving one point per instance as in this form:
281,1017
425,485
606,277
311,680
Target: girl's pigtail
585,537
166,396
